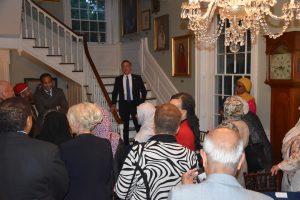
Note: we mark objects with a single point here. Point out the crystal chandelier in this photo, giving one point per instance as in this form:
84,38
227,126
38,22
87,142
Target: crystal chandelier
238,16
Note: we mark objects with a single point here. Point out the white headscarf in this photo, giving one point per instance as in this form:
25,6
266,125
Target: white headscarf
145,116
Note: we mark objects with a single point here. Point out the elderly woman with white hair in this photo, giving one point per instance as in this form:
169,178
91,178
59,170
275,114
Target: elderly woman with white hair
88,158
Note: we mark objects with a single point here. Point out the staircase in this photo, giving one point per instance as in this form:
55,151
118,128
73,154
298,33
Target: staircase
50,41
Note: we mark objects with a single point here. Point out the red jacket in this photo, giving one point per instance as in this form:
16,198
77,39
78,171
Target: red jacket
185,136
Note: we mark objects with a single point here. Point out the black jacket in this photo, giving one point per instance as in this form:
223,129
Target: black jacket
30,169
90,165
139,91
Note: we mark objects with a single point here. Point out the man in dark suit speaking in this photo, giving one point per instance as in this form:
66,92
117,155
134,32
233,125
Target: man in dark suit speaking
132,92
29,169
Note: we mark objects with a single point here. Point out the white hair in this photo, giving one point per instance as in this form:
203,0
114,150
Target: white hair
86,115
217,153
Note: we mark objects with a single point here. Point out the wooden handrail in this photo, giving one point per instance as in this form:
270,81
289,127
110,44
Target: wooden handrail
99,80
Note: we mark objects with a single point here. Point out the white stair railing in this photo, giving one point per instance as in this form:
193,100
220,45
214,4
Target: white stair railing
49,32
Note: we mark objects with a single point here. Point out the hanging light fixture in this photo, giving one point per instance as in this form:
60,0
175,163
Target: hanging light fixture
238,16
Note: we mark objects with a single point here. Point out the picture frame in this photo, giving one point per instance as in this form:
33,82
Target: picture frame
33,83
129,17
155,6
161,33
181,56
145,20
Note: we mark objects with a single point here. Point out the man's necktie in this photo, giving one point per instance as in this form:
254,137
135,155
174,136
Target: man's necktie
128,89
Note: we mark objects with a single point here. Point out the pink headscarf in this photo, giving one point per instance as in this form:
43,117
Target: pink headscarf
104,130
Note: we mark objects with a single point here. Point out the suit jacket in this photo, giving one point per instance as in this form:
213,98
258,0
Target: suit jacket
44,102
30,169
138,89
89,162
215,187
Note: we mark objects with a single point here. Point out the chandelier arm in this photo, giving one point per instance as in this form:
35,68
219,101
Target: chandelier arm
266,29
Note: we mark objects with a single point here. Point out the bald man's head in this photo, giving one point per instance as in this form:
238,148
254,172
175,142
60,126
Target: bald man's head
224,147
6,90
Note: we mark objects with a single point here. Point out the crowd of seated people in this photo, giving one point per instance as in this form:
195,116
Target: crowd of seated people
76,155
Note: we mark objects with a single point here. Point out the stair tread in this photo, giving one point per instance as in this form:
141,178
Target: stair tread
146,89
54,55
28,38
77,71
41,47
67,63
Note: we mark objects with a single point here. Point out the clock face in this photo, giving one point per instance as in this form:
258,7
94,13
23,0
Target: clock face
280,66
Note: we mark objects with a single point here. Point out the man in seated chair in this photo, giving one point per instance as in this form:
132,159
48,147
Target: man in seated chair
222,156
29,169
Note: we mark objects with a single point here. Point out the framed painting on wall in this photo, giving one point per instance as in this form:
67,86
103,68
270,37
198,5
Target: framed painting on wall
181,56
155,6
129,16
161,33
145,19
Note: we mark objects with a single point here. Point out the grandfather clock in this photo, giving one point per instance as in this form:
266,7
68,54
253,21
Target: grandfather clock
283,55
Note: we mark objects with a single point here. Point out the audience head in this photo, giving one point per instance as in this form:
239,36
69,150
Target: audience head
222,151
15,115
167,119
245,104
145,114
243,85
22,90
126,67
6,90
233,108
46,81
186,104
83,117
55,128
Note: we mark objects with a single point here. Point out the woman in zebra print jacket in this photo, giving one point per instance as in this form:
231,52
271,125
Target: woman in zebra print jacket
152,169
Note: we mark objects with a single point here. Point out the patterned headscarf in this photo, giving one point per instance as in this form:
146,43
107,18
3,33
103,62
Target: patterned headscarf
104,130
229,125
233,108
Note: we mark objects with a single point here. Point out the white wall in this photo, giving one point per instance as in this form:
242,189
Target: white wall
12,24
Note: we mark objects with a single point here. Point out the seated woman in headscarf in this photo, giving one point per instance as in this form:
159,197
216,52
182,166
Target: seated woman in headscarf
233,113
55,128
145,117
243,88
291,160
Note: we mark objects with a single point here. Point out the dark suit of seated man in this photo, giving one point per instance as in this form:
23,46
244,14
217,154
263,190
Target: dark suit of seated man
29,169
132,92
47,97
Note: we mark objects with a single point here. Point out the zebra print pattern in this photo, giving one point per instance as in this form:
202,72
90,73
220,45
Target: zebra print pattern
163,163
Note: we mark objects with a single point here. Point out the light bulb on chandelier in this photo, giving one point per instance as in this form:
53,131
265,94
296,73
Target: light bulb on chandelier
238,16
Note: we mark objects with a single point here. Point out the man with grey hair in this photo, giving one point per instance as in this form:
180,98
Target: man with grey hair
222,156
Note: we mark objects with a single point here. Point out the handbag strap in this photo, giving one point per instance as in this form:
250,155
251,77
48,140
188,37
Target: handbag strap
135,170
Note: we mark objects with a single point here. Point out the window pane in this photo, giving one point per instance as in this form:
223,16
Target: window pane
83,4
221,44
248,63
93,26
218,85
76,25
240,63
74,3
84,14
101,15
85,26
220,64
103,37
229,63
92,15
75,14
227,85
249,41
101,26
93,37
